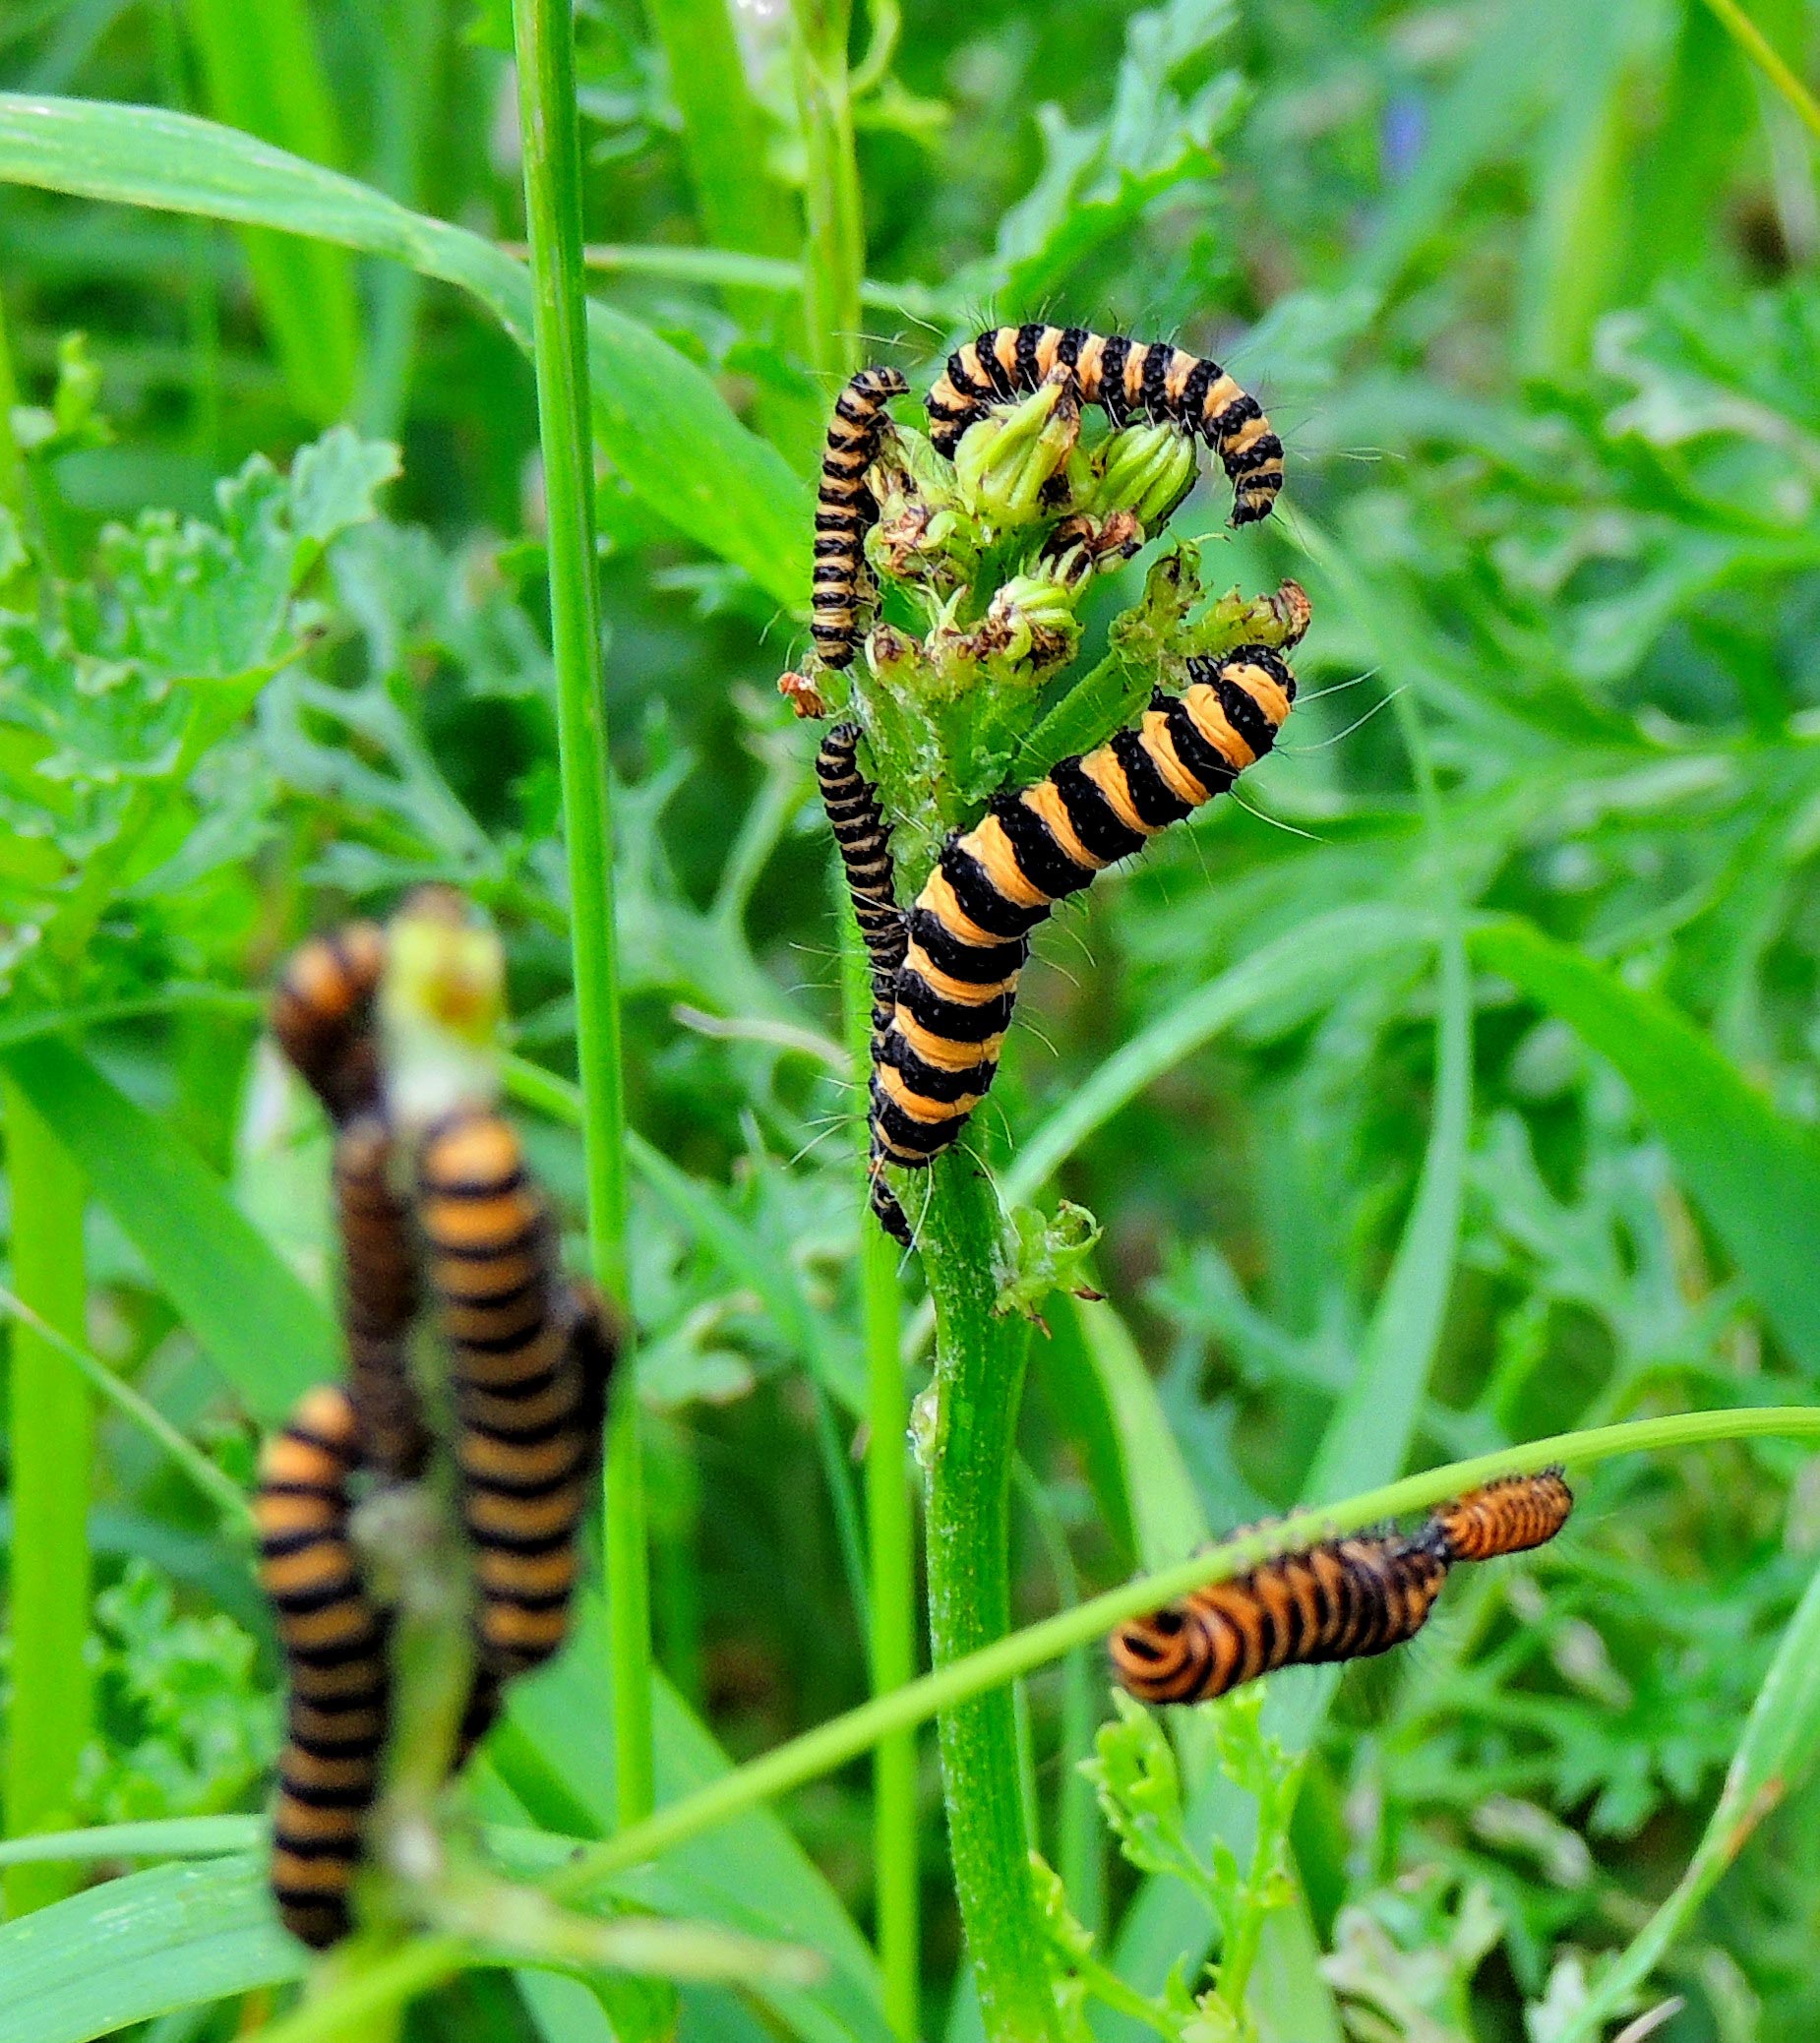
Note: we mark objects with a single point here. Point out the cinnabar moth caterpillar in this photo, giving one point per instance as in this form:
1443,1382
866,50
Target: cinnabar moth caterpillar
1509,1515
381,1295
865,846
845,510
1128,378
321,1015
334,1639
1345,1600
529,1361
969,928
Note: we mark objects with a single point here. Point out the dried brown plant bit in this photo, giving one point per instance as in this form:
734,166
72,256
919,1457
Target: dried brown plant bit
969,928
334,1640
844,509
1512,1515
527,1408
323,1017
1128,378
801,695
1343,1600
1294,610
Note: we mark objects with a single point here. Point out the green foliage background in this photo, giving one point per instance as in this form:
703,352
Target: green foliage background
1465,1064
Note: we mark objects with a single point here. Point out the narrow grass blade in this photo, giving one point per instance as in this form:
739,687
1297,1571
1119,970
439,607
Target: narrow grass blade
262,73
174,1936
185,1837
264,1332
657,415
1774,1757
1754,1174
51,1448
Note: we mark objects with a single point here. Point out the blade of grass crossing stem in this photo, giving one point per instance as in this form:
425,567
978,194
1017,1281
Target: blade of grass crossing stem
1774,1757
1753,1173
1763,54
250,1312
52,1450
833,1744
262,73
659,417
543,36
891,1533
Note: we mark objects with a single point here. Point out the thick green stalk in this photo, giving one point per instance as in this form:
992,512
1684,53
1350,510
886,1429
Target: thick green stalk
543,32
979,1377
836,250
52,1451
833,1744
890,1537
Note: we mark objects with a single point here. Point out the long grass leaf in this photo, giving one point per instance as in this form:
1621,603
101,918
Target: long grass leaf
263,1329
122,1953
657,415
1754,1174
1774,1757
261,72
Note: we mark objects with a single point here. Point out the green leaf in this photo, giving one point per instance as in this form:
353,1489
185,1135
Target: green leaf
139,1946
657,415
1774,1757
1754,1174
262,73
266,1332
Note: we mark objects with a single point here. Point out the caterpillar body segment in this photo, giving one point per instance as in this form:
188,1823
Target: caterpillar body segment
845,509
322,1016
968,932
382,1296
1342,1601
1129,380
1513,1515
334,1639
527,1392
865,846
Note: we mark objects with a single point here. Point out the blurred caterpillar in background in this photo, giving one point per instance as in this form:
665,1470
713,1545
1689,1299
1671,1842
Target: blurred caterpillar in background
865,846
1128,378
321,1015
1345,1600
845,509
334,1639
381,1295
1509,1515
531,1362
969,928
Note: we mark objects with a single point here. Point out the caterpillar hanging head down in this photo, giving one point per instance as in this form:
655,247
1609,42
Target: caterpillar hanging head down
1127,379
846,510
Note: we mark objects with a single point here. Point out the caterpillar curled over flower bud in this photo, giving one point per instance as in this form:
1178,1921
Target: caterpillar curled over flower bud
969,928
1513,1515
1343,1600
321,1017
845,510
1129,380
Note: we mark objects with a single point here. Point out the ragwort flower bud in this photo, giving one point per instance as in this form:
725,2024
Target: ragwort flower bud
1005,463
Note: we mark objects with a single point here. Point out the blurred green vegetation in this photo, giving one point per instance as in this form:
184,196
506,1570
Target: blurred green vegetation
1531,292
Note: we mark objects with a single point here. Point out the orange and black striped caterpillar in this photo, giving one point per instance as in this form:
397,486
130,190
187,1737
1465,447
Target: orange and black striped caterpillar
322,1016
1510,1516
969,928
380,1296
531,1360
1341,1600
845,509
334,1640
1128,378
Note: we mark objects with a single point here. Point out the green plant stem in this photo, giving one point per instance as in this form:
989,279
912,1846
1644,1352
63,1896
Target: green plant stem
833,1744
979,1377
835,257
889,1535
52,1445
543,32
1758,48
